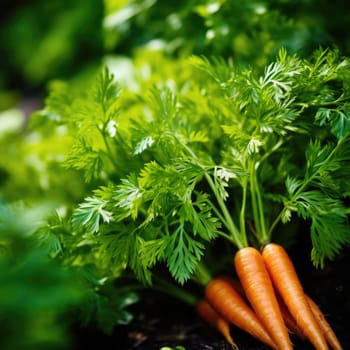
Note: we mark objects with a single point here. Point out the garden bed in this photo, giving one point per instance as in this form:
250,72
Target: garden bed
161,321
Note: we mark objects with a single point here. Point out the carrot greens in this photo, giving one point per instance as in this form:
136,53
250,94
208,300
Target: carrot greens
222,152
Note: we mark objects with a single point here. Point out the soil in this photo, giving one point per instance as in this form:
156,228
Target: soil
163,322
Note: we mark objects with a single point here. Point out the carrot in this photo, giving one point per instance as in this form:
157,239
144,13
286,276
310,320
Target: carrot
289,320
325,326
209,314
287,283
230,305
287,317
234,283
259,290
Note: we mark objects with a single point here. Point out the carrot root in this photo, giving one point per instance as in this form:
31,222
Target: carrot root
257,285
289,320
287,283
325,326
231,306
209,314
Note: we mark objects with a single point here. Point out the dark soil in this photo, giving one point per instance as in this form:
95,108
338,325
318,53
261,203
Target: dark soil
160,321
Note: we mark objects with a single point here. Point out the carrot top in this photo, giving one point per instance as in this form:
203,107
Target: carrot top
231,153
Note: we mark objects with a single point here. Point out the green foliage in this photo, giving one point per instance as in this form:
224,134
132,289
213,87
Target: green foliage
217,128
35,290
41,285
105,305
90,213
251,31
320,197
51,40
30,162
197,159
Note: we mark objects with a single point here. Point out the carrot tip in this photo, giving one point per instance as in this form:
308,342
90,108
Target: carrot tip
231,342
234,346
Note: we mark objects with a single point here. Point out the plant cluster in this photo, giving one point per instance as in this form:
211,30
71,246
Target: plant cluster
215,136
213,153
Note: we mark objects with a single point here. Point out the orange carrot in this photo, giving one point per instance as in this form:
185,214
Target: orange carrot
259,290
287,283
230,305
234,283
287,317
325,326
289,320
208,313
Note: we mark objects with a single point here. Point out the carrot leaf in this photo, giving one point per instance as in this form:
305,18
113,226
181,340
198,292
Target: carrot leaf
209,150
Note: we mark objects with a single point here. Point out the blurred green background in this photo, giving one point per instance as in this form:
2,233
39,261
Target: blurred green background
43,40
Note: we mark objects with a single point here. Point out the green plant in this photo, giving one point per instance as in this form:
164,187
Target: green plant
228,156
199,159
159,170
36,292
210,155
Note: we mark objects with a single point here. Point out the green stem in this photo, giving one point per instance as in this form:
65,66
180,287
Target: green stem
274,224
109,152
166,287
257,204
254,199
264,236
222,219
272,150
238,238
243,207
339,100
202,276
